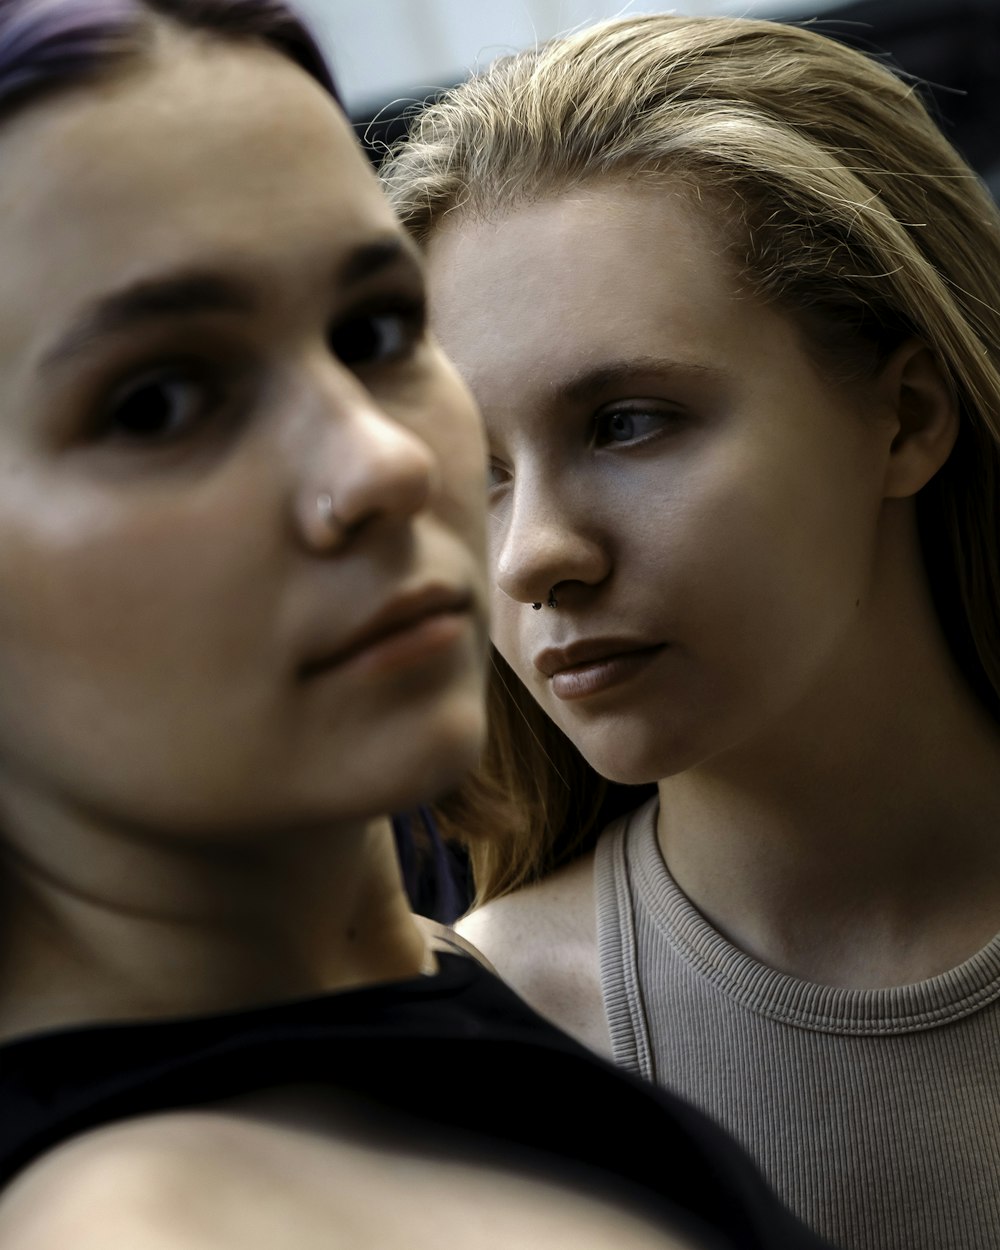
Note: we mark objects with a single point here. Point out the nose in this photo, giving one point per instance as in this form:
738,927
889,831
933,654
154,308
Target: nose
363,468
545,536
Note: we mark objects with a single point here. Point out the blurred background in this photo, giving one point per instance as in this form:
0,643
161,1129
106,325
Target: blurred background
391,54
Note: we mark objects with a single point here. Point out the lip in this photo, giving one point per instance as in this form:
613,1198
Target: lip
593,665
587,651
405,631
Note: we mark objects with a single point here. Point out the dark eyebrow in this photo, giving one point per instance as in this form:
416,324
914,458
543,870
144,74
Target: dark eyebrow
153,299
371,258
176,296
582,386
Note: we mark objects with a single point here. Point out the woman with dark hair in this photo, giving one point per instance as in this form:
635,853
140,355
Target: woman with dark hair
241,619
730,304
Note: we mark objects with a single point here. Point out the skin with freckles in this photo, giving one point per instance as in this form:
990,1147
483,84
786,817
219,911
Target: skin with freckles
743,615
646,462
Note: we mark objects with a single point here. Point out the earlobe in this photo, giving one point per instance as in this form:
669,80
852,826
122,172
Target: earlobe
925,408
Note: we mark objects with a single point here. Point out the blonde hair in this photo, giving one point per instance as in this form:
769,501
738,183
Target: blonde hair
843,205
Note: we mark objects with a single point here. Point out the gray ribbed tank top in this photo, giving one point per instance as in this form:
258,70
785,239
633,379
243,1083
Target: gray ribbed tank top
874,1113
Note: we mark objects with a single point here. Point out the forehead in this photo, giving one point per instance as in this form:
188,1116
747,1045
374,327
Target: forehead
207,150
538,292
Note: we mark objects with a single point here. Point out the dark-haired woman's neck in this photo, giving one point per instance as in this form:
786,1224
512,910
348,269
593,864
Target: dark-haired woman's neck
161,931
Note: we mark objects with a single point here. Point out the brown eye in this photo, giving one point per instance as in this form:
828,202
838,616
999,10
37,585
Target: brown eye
155,408
377,337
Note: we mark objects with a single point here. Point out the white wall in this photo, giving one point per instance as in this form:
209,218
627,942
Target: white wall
383,49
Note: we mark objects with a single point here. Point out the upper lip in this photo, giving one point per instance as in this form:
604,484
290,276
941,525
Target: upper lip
400,613
587,651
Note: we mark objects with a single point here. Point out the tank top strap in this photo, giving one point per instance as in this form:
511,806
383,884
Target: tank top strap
616,945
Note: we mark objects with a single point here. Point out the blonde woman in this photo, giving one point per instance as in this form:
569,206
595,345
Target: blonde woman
730,305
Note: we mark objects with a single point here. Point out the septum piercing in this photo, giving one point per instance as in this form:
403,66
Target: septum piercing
551,601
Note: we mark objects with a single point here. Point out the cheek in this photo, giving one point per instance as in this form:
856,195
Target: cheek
778,556
133,643
98,594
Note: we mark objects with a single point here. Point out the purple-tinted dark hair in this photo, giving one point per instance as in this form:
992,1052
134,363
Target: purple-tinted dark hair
49,44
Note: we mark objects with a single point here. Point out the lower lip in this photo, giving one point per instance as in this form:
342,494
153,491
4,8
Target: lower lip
430,638
590,679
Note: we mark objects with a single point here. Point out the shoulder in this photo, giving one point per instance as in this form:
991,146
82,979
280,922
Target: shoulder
443,938
217,1181
542,940
560,908
133,1185
191,1180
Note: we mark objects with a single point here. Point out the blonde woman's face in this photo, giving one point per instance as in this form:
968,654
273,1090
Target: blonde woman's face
666,456
210,321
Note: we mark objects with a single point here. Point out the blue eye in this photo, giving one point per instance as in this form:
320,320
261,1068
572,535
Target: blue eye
377,337
156,408
631,425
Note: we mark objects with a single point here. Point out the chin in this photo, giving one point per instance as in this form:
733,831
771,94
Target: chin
642,763
432,760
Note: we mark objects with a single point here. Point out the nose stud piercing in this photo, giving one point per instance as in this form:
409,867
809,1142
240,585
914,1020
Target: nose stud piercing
551,601
333,526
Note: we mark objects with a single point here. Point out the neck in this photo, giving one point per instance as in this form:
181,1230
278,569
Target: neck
857,842
133,927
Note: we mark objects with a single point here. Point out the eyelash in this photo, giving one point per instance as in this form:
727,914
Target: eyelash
149,419
407,317
493,468
659,418
363,340
662,418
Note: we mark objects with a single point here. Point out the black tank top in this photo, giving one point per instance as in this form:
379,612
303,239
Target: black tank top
459,1052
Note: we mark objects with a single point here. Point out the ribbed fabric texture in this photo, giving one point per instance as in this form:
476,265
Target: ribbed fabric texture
875,1114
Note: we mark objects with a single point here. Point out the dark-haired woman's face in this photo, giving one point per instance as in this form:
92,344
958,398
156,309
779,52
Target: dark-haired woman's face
667,456
211,334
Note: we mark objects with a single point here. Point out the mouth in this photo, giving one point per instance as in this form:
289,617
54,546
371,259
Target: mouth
409,630
588,668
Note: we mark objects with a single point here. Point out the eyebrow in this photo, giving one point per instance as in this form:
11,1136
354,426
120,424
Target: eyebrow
371,258
186,294
153,299
581,386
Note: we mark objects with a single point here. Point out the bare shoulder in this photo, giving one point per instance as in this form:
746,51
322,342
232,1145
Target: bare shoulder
561,906
231,1179
444,938
543,941
132,1185
247,1181
189,1180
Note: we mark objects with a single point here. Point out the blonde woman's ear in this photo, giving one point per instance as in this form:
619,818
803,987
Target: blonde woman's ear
923,401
